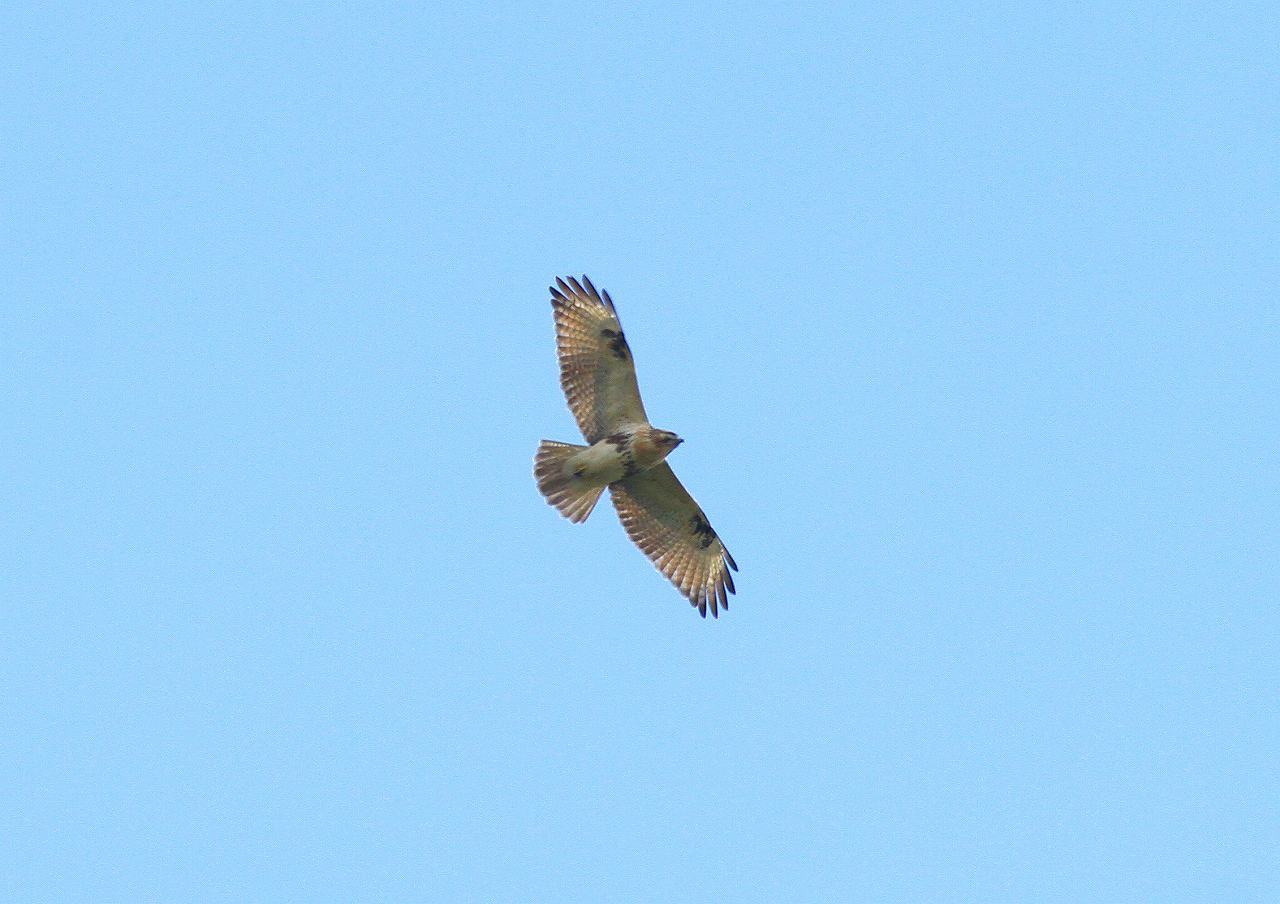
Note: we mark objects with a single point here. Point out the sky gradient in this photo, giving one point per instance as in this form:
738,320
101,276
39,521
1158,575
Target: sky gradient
969,321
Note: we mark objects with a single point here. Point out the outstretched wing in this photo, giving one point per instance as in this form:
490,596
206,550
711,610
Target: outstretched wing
596,370
663,520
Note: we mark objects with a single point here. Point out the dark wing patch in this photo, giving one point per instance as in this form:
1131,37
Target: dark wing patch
666,523
617,343
597,372
702,530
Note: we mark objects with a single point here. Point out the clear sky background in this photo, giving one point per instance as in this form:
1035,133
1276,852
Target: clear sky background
969,319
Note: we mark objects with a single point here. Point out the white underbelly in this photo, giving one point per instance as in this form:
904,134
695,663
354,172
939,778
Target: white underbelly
599,464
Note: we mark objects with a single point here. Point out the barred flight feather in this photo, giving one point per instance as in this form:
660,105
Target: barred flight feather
666,523
596,370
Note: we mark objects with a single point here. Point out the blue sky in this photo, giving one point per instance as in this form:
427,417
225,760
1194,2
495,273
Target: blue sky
968,318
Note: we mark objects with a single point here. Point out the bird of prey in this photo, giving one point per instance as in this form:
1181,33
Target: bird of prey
625,452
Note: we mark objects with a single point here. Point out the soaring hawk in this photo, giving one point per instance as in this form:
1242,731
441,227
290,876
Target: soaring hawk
625,452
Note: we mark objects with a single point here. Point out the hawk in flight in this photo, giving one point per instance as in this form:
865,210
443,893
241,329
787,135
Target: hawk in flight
625,452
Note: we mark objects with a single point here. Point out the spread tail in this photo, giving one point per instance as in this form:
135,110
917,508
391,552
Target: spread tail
571,496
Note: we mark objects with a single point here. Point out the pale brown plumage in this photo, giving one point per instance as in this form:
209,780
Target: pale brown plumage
596,371
599,381
670,528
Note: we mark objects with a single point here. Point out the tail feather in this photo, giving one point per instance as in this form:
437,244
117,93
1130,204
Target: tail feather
571,497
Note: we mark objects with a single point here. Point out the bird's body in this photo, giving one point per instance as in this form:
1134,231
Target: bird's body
618,455
604,462
625,452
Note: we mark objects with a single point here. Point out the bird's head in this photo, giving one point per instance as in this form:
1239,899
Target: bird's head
666,440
